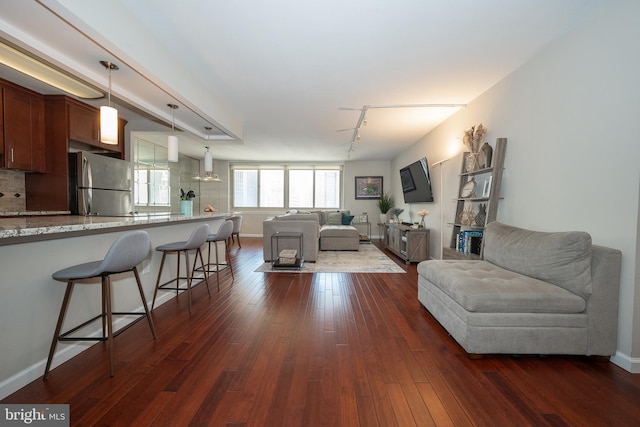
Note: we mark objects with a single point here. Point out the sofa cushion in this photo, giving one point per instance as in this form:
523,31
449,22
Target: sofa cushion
324,215
335,218
339,231
479,286
560,258
297,217
346,219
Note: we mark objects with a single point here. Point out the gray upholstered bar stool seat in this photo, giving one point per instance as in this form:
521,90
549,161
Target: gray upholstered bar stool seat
222,235
196,240
237,224
123,256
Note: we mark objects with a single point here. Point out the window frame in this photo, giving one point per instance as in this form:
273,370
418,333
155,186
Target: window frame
286,168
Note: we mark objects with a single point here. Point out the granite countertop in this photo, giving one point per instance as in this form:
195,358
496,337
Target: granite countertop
34,213
41,226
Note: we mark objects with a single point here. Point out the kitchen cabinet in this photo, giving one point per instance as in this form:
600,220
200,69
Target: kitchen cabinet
22,135
84,126
410,244
68,123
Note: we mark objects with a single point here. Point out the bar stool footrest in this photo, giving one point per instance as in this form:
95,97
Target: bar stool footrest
65,335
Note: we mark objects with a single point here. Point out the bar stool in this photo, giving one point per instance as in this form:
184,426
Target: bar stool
196,240
124,255
237,224
223,234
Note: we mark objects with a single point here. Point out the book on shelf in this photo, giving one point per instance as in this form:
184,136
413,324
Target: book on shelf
469,241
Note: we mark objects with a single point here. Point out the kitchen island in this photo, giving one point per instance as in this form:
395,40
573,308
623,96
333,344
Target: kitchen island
34,247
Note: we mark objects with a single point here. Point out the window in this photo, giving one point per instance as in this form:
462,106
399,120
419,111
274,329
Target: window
151,187
283,187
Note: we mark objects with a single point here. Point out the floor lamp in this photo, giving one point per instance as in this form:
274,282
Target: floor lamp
441,204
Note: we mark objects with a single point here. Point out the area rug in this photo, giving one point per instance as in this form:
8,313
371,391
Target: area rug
368,259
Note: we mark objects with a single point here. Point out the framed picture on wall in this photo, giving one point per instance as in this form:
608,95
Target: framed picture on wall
368,187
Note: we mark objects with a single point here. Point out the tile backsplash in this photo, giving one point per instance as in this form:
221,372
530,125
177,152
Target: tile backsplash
12,191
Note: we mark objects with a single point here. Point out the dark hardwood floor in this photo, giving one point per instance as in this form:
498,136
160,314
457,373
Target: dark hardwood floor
282,349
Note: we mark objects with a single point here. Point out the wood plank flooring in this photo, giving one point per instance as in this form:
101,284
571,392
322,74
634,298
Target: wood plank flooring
283,349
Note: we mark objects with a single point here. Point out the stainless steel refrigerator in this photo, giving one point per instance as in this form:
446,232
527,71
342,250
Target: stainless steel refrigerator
99,185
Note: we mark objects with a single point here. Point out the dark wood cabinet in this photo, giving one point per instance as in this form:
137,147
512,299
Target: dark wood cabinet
84,124
68,122
23,138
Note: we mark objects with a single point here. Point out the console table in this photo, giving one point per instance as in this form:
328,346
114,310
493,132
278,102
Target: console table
410,244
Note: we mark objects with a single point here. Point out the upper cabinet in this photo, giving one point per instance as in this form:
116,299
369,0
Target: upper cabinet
70,125
84,126
22,139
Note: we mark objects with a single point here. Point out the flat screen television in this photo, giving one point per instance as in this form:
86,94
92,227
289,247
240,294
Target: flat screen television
416,183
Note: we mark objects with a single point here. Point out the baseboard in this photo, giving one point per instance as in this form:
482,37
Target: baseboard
630,364
63,353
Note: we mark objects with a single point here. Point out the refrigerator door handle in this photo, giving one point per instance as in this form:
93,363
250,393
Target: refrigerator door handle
86,172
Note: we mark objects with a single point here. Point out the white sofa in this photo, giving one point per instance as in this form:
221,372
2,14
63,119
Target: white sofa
534,293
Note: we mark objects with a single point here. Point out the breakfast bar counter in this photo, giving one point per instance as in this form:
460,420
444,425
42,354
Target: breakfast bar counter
35,246
25,228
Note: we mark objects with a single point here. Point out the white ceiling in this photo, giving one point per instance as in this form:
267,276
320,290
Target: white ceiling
287,79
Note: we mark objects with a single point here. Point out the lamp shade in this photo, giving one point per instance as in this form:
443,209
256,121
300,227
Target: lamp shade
172,148
108,125
208,161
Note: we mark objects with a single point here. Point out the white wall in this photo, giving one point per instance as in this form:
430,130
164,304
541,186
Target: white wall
572,119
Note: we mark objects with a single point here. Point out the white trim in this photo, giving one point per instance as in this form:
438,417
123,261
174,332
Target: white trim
628,363
64,353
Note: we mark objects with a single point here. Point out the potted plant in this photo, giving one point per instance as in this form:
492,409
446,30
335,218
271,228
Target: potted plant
384,204
186,202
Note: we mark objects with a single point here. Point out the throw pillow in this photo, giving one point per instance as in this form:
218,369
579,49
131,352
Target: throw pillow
335,218
346,219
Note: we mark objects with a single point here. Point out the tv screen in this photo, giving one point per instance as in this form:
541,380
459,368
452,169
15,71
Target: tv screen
416,183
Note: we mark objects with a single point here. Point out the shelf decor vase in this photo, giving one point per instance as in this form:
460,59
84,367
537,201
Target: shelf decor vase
487,153
471,162
186,207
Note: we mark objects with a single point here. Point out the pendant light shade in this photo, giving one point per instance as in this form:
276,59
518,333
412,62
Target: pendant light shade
208,161
108,114
172,140
172,144
108,125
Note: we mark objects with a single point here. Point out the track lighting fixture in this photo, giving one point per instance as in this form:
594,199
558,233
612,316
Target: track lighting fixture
108,114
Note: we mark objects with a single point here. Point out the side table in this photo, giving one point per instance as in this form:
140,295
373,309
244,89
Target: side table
275,250
364,237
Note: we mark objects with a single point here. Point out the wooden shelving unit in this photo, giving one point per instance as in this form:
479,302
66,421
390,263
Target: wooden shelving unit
488,182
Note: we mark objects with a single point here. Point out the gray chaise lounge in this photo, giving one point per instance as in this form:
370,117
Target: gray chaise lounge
535,293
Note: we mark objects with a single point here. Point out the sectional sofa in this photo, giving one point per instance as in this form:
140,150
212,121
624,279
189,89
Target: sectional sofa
321,230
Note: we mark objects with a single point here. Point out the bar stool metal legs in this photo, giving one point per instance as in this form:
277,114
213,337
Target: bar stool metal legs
123,256
196,240
223,235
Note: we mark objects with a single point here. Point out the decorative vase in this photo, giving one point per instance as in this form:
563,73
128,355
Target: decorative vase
186,207
471,162
421,225
487,153
383,218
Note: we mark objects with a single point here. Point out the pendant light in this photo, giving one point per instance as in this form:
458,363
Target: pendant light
108,114
208,157
172,141
208,161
